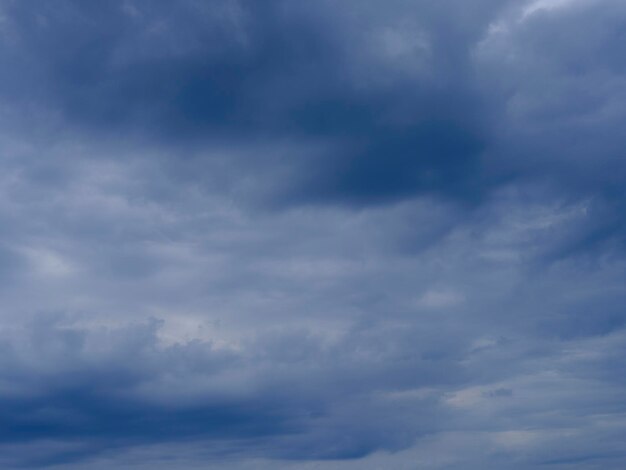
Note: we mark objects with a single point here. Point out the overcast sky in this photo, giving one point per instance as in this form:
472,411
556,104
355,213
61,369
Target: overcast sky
312,234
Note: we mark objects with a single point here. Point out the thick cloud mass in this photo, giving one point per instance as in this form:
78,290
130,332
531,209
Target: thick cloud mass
290,234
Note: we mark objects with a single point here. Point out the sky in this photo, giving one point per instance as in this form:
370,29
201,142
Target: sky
292,234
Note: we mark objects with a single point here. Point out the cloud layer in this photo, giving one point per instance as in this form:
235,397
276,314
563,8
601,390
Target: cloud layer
276,234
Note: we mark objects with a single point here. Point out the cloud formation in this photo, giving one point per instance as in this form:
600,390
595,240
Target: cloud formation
276,234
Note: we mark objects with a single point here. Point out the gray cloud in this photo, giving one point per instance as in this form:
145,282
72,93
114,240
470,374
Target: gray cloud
287,235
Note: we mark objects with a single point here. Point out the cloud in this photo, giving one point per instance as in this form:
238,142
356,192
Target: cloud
288,235
248,70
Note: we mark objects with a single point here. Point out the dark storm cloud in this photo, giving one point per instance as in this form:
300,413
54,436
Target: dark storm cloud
412,98
248,70
115,388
